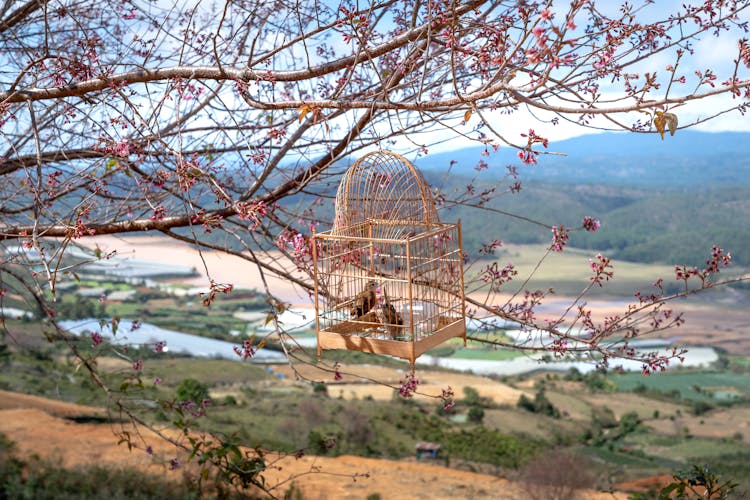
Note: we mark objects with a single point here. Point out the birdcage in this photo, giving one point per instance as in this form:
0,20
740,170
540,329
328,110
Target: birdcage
389,274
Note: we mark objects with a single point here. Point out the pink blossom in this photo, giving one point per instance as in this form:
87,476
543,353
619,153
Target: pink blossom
329,442
745,52
528,157
448,398
489,248
121,149
96,339
252,211
590,224
408,386
602,268
159,213
560,237
498,277
247,350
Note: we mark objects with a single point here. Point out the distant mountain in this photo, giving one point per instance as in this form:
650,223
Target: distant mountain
638,225
688,159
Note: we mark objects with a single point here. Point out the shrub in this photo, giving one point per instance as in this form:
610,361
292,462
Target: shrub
357,427
700,407
697,482
540,404
320,388
192,390
471,396
476,414
39,480
629,422
603,417
317,443
557,475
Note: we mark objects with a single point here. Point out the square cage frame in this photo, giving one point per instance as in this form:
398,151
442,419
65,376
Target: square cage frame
418,275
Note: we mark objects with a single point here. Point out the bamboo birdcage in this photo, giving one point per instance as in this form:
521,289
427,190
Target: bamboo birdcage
389,274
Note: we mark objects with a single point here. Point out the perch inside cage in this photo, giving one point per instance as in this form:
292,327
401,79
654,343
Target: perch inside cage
389,274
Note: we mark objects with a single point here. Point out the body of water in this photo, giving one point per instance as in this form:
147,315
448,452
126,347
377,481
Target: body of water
176,342
194,345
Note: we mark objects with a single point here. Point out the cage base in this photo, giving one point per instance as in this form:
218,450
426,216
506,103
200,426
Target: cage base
328,339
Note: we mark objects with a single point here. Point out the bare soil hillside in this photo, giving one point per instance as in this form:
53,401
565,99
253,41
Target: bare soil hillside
43,427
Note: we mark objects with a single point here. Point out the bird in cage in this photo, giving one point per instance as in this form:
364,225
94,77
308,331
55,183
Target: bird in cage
391,317
364,301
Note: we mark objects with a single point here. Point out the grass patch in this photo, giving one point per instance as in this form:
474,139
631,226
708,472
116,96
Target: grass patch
212,372
43,374
739,361
685,385
486,354
568,272
686,449
540,427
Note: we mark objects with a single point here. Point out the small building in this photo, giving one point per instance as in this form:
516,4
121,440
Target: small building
427,451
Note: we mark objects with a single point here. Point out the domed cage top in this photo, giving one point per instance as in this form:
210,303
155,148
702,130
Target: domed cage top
389,274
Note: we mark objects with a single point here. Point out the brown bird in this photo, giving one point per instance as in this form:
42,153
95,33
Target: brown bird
391,318
364,301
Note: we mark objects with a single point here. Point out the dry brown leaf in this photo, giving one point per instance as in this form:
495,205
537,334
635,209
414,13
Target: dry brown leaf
671,122
660,122
663,120
303,110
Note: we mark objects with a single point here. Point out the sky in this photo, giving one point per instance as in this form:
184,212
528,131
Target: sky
718,54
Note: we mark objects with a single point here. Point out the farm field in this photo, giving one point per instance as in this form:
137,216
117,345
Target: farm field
714,319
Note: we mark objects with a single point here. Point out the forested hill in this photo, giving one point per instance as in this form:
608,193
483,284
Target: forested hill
686,160
658,201
638,225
